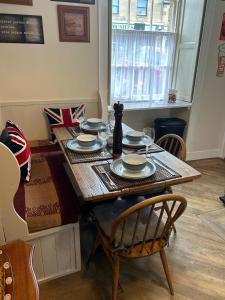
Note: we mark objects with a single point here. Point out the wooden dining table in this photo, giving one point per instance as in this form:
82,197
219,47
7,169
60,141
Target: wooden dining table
90,188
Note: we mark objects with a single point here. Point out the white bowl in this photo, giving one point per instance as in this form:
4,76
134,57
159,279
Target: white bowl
134,162
86,140
94,122
135,136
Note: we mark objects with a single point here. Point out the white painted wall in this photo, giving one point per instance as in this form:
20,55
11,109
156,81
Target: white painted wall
56,73
207,119
30,117
53,71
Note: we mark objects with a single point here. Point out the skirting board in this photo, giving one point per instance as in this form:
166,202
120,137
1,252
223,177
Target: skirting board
212,153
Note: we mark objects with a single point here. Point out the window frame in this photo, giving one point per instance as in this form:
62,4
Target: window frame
178,25
142,7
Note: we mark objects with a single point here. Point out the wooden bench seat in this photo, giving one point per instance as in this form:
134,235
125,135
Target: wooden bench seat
49,199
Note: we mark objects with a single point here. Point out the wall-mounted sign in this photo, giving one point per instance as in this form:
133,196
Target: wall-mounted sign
21,29
77,1
222,32
221,61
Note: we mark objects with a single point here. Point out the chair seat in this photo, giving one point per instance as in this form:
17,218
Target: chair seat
106,213
48,200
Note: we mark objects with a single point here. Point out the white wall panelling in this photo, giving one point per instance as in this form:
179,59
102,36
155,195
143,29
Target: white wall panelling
57,250
30,116
57,254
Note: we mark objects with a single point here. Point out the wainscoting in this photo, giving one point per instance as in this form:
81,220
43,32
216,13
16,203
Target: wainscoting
30,117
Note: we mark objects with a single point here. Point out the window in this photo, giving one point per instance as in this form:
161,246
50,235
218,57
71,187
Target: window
152,54
115,7
142,53
142,7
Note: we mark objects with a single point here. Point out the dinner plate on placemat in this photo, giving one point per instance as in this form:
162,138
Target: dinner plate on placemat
118,169
162,173
85,127
73,145
132,144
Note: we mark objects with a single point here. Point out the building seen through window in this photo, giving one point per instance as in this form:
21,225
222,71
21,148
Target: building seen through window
149,15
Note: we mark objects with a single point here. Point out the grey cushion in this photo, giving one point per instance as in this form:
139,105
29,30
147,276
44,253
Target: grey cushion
106,213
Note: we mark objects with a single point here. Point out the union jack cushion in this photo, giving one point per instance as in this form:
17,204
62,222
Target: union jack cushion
64,117
17,143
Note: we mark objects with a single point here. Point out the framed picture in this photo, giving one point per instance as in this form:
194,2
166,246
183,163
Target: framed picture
74,23
24,29
21,2
77,1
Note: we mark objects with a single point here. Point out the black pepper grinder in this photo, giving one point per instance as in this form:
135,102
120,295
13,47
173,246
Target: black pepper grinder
118,130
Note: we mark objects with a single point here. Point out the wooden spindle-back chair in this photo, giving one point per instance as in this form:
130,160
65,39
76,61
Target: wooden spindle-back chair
174,144
140,231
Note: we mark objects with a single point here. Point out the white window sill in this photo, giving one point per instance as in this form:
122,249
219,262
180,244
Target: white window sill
130,106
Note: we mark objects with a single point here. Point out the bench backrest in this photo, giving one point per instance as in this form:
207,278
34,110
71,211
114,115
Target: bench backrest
13,225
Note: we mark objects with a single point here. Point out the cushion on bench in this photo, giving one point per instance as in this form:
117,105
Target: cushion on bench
64,117
49,199
13,137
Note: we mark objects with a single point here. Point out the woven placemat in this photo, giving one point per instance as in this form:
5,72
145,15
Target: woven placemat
153,149
162,173
74,131
76,158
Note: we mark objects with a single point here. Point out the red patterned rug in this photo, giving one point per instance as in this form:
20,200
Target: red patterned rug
49,199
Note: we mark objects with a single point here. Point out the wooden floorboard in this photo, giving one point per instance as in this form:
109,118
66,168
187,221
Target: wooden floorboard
196,255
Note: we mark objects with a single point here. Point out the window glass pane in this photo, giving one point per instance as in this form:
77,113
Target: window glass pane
141,11
142,3
115,10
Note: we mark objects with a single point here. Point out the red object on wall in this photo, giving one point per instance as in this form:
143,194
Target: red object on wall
222,33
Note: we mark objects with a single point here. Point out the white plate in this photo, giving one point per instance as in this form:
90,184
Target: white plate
73,145
118,169
94,122
138,144
84,126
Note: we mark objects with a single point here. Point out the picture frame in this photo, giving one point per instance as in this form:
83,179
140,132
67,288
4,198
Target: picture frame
90,2
20,2
74,23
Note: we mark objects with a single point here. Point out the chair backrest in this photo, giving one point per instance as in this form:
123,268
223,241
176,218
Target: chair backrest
174,144
168,209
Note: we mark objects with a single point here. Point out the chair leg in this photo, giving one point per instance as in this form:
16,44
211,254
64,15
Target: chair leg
95,247
116,272
166,270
